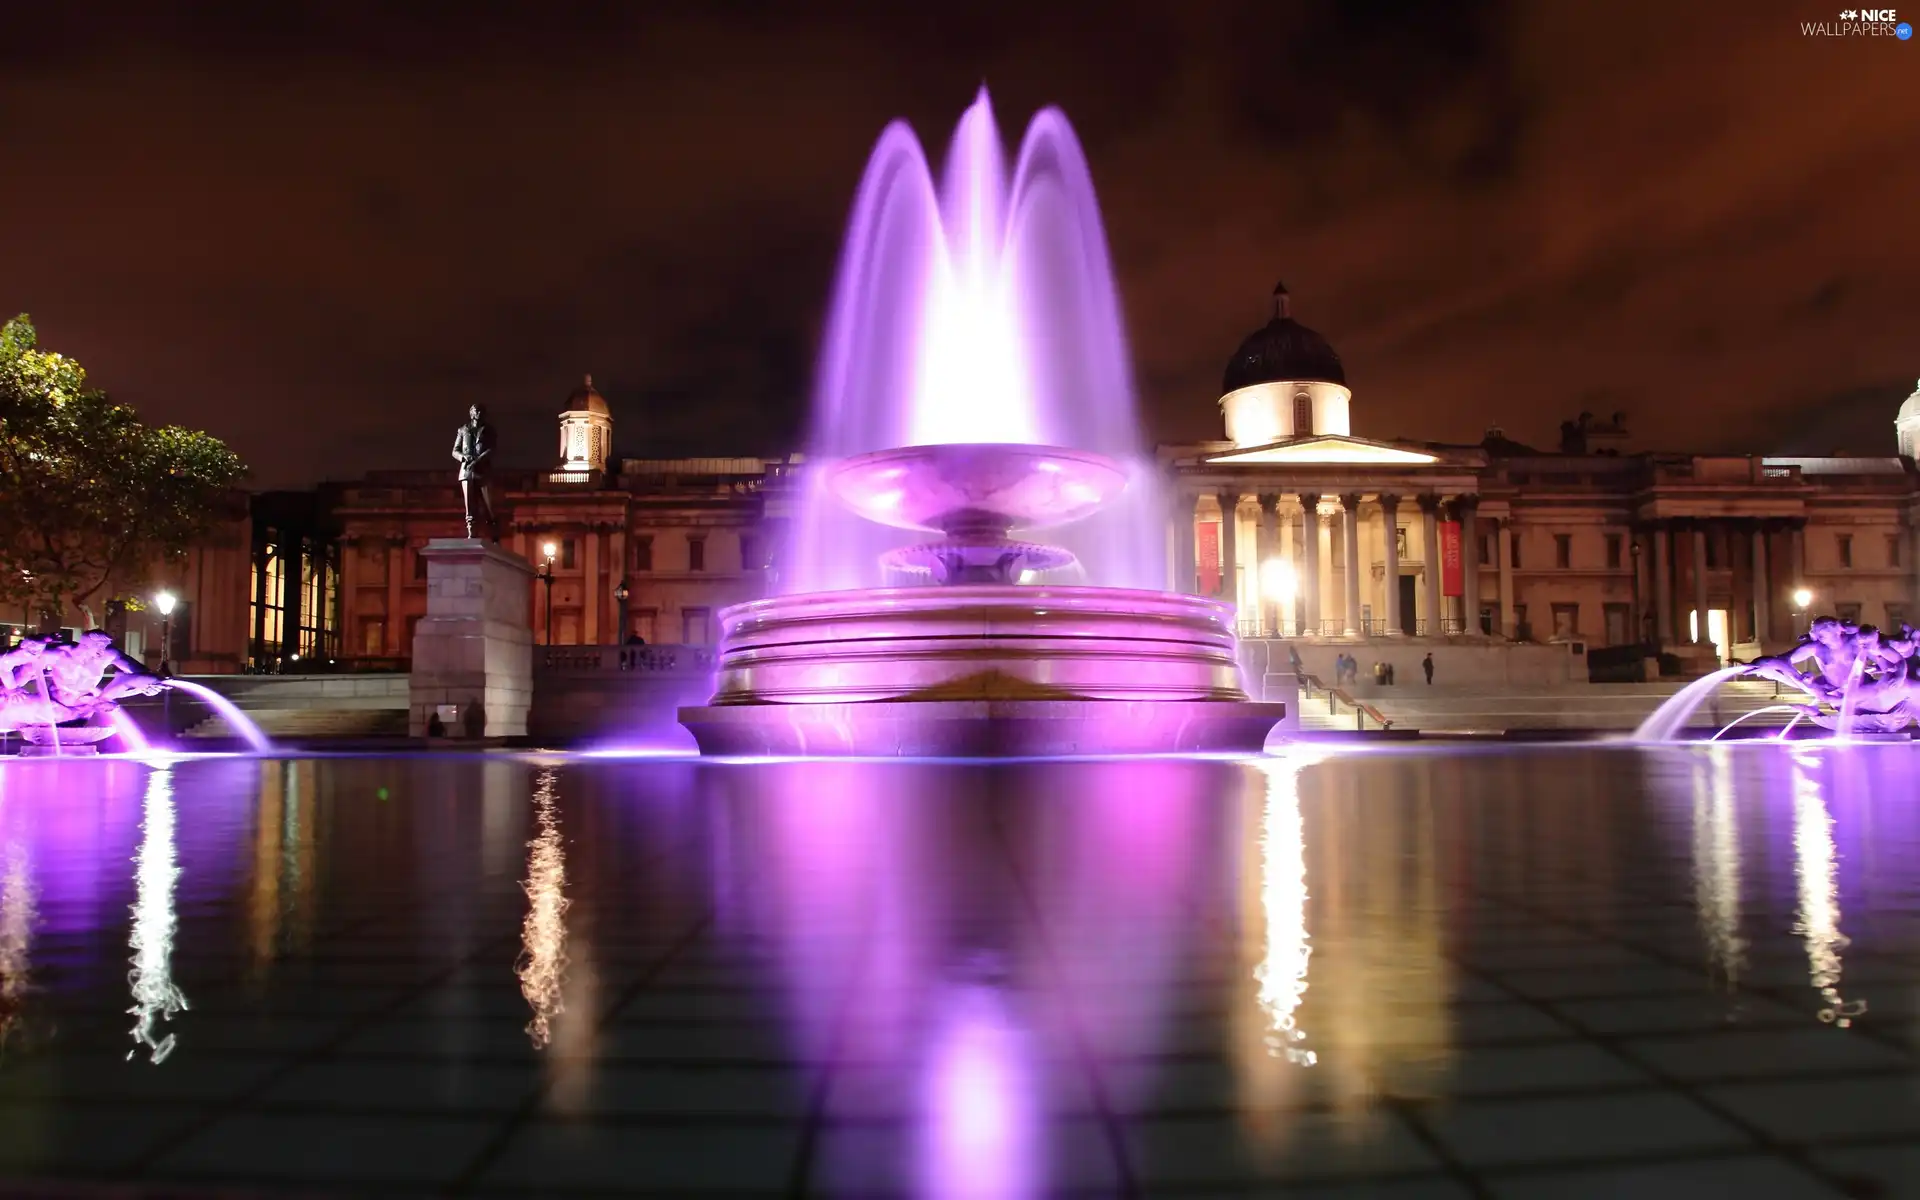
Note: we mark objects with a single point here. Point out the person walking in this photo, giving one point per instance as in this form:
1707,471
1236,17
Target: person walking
1426,664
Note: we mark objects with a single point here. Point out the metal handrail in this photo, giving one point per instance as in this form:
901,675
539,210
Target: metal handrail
1361,709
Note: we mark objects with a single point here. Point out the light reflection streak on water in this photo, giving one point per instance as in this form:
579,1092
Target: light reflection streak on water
155,998
18,915
1716,859
1816,868
543,953
980,1127
1282,973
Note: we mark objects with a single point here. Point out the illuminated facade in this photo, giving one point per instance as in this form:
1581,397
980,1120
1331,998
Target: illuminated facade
1317,533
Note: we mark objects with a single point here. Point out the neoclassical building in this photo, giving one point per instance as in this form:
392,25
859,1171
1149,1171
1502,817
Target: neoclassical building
1320,534
684,537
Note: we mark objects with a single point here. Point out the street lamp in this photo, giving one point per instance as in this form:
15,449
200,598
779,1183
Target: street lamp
164,601
620,596
1802,601
1639,632
546,574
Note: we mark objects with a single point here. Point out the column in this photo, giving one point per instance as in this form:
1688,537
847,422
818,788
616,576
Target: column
1267,549
1390,552
617,574
397,569
1762,589
1699,626
1229,556
1663,583
595,592
1800,560
1509,619
1330,599
1430,547
1350,527
1310,565
1469,564
1186,562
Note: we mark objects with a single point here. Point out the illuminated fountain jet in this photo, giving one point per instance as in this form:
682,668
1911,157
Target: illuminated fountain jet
63,698
975,384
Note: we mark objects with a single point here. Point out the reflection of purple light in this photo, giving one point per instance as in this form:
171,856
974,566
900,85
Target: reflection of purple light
978,1139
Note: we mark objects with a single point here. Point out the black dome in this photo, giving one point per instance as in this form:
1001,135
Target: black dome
1282,349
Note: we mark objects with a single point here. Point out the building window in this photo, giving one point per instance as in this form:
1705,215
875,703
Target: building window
1896,615
1522,631
1563,550
697,555
373,637
1513,552
1893,549
1712,555
419,567
1613,552
1845,544
1302,414
646,624
749,552
694,624
1566,622
1847,612
1488,548
568,554
643,554
1618,618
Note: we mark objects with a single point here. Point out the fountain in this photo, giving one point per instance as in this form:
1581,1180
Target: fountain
1862,684
63,698
975,386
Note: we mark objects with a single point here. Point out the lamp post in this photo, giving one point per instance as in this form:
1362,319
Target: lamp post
164,602
548,552
620,597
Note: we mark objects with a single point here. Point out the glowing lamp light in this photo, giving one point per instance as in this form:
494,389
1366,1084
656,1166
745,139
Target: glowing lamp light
164,602
550,549
1277,578
1802,597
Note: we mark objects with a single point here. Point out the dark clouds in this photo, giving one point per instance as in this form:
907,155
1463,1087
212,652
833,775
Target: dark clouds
321,230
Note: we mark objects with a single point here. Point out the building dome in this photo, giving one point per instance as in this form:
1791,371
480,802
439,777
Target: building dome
1283,350
1906,425
586,398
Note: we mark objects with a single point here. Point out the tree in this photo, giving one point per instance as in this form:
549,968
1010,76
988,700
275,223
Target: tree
89,496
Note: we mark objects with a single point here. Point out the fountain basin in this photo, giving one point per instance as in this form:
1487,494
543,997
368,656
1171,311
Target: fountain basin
979,670
69,741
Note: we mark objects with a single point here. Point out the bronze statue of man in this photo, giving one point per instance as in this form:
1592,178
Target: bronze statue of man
473,450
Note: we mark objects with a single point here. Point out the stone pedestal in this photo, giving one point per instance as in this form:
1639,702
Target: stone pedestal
474,648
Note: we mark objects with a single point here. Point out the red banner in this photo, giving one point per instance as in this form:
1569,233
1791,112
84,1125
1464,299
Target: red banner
1453,580
1209,557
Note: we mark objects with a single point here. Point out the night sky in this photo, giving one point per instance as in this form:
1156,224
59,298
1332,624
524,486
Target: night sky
319,230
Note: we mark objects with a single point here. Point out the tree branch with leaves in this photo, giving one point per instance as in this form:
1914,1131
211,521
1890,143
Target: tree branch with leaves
89,496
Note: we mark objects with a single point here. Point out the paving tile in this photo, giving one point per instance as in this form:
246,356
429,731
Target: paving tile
681,1093
94,1139
443,1086
1702,1010
1874,1172
975,1157
1503,1070
1170,1153
552,1156
331,1150
1702,1179
1732,1054
1579,1128
1806,1110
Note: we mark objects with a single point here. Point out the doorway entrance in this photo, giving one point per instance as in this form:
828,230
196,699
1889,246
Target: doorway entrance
1716,631
1407,593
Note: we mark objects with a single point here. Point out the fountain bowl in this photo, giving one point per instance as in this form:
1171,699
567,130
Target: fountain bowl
68,741
981,489
979,670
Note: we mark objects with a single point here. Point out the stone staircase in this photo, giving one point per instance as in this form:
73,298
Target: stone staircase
301,723
1492,711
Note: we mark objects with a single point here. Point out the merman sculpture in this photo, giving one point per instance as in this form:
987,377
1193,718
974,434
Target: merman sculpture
1860,681
54,692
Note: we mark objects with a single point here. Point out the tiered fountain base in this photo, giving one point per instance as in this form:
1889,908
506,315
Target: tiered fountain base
979,670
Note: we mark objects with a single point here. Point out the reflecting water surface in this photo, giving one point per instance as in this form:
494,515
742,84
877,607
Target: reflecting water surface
1400,973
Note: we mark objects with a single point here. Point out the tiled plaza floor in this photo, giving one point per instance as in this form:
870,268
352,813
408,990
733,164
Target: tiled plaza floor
1551,973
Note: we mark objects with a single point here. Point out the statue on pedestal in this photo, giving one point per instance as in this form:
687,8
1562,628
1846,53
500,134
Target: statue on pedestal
473,450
